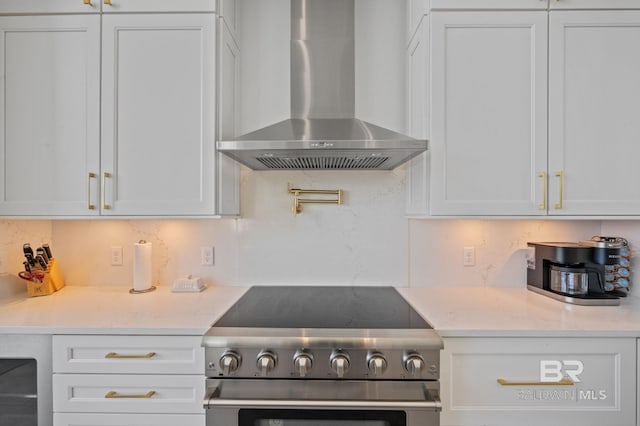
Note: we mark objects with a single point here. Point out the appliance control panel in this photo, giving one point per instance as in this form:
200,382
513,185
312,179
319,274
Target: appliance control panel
323,363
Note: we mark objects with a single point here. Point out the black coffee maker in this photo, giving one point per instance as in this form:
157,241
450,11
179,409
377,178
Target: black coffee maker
578,273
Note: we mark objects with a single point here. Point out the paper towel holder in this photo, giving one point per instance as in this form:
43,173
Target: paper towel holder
146,290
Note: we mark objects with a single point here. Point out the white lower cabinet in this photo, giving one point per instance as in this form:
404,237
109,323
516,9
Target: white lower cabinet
539,381
128,380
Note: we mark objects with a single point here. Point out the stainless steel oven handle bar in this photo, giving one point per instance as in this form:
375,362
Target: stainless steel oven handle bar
212,400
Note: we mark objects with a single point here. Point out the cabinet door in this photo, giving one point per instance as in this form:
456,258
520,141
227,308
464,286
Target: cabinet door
594,105
49,114
417,194
489,4
488,113
539,381
158,108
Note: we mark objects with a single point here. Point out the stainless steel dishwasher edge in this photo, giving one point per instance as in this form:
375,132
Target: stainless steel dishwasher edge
25,380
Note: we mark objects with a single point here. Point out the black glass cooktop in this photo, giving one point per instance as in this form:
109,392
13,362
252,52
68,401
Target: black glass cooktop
322,307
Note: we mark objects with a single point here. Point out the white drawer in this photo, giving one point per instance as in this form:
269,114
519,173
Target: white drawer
603,372
113,393
128,354
48,6
118,6
128,419
488,4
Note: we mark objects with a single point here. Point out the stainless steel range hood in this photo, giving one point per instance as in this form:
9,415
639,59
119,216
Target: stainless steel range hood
322,133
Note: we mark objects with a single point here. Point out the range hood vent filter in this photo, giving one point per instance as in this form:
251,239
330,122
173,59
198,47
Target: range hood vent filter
347,162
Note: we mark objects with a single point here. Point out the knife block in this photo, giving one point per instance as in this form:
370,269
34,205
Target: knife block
52,282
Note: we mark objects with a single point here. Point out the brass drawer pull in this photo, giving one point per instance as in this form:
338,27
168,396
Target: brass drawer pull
543,205
115,355
114,394
564,382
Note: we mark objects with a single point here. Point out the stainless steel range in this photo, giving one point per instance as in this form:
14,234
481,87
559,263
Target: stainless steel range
316,356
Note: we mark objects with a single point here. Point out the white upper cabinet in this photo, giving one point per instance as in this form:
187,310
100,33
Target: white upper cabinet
504,141
49,114
594,110
158,104
488,112
111,113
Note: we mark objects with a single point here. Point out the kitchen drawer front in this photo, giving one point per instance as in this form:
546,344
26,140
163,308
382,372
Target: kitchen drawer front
74,419
489,4
128,354
48,6
114,393
595,4
126,6
603,371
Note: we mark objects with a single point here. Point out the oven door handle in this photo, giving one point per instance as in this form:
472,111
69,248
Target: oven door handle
213,399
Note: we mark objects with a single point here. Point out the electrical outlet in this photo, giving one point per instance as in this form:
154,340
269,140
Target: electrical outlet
206,256
116,256
468,256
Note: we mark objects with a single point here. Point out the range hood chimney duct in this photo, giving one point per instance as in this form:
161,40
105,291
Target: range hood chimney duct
322,133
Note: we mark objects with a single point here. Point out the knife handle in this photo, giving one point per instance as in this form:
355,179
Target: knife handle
40,252
47,250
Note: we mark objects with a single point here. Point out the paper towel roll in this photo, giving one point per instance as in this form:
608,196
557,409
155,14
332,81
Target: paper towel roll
141,266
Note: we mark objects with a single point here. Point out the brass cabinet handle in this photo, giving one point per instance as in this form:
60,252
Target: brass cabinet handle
89,205
87,2
114,394
564,382
105,175
107,2
543,205
561,176
115,355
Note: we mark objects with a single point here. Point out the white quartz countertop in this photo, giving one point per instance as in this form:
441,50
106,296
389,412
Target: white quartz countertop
518,312
453,311
113,310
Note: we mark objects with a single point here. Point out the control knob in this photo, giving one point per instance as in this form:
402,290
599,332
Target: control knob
266,362
230,362
376,363
340,362
413,363
302,361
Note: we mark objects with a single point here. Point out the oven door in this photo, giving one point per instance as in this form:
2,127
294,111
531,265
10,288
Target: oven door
248,402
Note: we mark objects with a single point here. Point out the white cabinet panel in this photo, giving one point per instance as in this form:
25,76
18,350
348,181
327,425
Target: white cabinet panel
488,4
134,393
594,4
417,196
49,114
48,6
603,373
128,354
74,419
488,112
594,105
119,6
158,97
